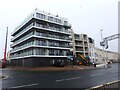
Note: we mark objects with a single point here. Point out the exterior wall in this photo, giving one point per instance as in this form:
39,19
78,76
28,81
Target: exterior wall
41,35
91,49
36,61
99,55
84,45
104,56
80,44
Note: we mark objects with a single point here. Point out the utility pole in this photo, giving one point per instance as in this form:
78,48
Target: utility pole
103,49
4,61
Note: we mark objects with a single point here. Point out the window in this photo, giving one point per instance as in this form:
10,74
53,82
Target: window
55,19
65,22
59,21
50,18
42,16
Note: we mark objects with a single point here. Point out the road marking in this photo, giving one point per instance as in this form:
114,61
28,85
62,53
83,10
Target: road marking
60,80
25,85
96,74
97,87
11,77
32,84
67,79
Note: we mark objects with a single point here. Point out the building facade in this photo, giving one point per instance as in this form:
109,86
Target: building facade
91,49
104,56
83,45
80,44
41,40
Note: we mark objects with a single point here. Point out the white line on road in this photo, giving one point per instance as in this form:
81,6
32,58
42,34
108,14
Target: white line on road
96,74
25,85
60,80
67,79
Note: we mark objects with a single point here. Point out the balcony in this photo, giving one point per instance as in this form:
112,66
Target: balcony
85,45
23,23
52,28
67,24
22,32
54,37
40,45
77,37
21,40
79,49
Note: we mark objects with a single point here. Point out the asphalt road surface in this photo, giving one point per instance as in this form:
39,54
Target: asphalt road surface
60,79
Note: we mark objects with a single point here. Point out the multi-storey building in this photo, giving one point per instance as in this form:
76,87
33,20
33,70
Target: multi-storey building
41,40
83,45
80,44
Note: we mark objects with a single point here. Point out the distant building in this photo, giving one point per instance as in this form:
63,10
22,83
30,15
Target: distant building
41,40
84,45
106,56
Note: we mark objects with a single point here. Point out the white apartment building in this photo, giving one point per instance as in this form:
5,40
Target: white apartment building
41,40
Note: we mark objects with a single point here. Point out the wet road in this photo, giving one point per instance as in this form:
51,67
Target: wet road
60,79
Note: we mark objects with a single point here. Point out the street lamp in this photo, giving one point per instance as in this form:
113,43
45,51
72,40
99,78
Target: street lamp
103,47
101,33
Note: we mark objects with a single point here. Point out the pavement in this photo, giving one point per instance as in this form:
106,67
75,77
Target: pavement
75,67
80,78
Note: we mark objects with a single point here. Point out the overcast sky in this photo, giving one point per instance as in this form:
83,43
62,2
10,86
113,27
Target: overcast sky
86,16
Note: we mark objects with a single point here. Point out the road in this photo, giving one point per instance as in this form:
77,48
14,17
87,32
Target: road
60,79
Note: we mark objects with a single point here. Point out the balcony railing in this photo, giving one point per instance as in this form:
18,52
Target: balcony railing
52,28
22,31
52,36
23,23
39,44
79,44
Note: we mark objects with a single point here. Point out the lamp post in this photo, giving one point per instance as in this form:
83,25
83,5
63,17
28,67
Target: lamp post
101,33
103,48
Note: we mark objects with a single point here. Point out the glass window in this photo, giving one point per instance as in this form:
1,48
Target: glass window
42,16
38,15
50,18
55,19
65,22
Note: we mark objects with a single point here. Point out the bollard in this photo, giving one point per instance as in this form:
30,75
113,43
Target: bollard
94,65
